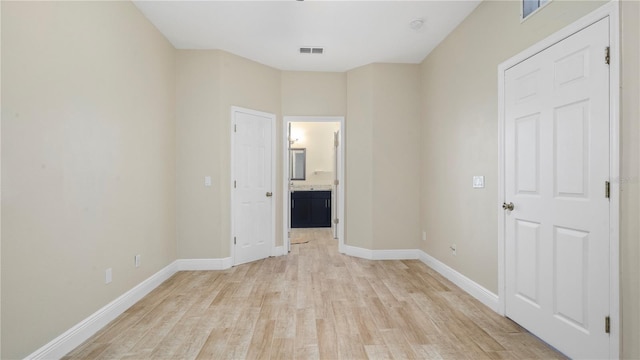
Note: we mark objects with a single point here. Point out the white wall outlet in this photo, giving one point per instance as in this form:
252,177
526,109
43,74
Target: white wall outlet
136,260
424,236
453,249
478,182
207,181
108,276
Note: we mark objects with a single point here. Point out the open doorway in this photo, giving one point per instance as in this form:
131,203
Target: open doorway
313,176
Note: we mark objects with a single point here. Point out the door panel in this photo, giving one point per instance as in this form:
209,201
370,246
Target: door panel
572,252
527,243
571,152
527,147
556,166
253,228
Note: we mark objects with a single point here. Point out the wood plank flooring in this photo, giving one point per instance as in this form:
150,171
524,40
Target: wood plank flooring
312,304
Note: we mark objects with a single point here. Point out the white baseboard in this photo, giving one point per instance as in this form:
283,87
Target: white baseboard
397,254
358,252
75,336
204,264
72,338
471,287
278,251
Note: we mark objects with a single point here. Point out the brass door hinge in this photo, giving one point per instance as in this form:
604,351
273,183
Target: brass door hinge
607,189
607,325
607,55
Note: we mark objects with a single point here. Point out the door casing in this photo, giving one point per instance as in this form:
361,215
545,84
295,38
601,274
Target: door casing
610,10
286,120
272,120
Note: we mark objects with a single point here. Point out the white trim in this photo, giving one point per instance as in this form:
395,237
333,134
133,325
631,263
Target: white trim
203,264
358,252
615,337
72,338
471,287
272,118
285,173
278,251
474,289
75,336
397,254
502,304
610,10
394,254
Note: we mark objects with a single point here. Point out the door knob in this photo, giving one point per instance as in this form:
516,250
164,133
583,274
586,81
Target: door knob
269,194
508,206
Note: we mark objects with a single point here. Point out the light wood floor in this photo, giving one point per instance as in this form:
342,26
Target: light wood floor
313,303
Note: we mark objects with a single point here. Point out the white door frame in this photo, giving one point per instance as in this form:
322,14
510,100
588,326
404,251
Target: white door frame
610,10
272,119
285,168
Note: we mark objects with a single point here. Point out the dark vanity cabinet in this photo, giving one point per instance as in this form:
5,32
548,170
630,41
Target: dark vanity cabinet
301,209
310,209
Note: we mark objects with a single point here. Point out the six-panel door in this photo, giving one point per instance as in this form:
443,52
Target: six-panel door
556,168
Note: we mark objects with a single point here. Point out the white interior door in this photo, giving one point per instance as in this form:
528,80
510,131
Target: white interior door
252,199
556,173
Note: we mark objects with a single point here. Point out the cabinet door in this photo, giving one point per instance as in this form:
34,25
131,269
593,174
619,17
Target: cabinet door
321,209
300,209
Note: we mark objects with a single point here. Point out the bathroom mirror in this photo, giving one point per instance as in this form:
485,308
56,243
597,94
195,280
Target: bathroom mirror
297,165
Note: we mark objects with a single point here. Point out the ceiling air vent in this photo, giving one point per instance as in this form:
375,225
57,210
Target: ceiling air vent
311,50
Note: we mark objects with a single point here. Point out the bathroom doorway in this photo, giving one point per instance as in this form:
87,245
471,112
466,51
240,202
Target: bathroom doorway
313,174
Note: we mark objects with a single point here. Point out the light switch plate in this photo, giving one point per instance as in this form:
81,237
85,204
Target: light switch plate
478,182
207,181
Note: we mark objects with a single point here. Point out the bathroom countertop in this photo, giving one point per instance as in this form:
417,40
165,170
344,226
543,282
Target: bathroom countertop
311,188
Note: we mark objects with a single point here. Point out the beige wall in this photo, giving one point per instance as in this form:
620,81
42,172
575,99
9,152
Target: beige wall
460,140
630,175
396,156
209,83
88,162
358,158
383,157
314,93
198,132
